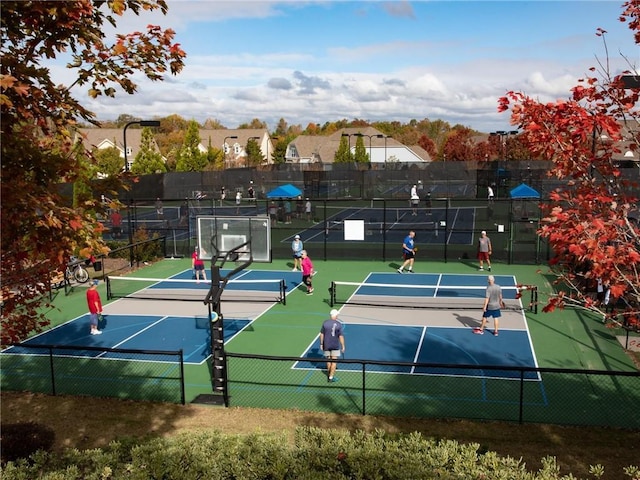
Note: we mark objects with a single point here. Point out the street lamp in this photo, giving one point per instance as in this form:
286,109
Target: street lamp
385,149
370,137
224,149
502,135
142,123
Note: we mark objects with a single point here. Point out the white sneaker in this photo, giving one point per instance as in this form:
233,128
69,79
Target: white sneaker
294,270
96,332
399,270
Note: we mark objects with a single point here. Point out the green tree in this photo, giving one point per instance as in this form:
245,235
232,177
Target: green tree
254,154
281,128
148,160
343,154
280,148
190,158
39,227
360,155
109,161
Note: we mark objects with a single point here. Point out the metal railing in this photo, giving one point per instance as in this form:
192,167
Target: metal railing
150,375
478,392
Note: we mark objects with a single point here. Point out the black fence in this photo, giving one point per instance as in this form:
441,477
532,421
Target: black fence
478,392
151,375
446,229
381,195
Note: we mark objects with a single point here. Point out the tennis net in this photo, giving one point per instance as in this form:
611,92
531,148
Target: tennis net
269,290
429,296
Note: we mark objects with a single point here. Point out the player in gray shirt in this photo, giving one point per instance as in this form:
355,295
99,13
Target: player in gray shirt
493,302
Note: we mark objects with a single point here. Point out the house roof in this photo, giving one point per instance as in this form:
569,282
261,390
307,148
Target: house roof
318,148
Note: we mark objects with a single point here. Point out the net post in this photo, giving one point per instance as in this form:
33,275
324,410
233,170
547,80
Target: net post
107,280
332,294
283,291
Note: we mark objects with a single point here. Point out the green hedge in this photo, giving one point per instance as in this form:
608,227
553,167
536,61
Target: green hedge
317,454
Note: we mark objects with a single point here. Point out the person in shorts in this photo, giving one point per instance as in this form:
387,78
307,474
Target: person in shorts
296,249
95,307
493,302
332,343
408,252
484,250
198,265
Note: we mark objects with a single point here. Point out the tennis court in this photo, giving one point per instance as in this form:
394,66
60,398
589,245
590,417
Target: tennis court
429,318
140,318
454,226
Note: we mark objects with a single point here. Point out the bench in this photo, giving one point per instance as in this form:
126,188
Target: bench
57,280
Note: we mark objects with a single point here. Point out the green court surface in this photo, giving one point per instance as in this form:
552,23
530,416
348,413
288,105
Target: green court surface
564,339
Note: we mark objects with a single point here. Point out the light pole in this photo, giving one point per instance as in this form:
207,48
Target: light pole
370,137
224,149
385,149
502,135
142,123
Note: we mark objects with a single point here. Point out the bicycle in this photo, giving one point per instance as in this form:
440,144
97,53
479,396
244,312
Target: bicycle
76,270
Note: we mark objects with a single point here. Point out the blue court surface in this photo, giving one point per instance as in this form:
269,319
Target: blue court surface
440,345
160,325
139,332
437,335
460,224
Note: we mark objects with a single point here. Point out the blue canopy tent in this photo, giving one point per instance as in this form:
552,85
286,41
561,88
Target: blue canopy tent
285,191
524,191
527,203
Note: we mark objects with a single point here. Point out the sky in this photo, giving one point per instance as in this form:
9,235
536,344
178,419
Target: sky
323,61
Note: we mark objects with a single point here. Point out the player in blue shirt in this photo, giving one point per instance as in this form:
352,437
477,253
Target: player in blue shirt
408,252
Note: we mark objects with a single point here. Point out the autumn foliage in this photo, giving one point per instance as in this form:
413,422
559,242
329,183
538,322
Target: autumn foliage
592,222
40,229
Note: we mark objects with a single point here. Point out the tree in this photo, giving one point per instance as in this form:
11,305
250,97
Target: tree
280,148
588,223
109,161
360,155
40,228
148,160
343,154
254,154
190,158
255,124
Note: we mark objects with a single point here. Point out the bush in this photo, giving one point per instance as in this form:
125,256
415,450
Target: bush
316,454
21,440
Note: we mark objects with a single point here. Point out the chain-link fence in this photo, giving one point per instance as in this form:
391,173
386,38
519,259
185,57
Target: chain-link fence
453,208
514,394
150,375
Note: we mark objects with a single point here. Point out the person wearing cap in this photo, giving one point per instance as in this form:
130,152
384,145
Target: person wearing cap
95,306
332,343
484,250
296,248
415,200
198,264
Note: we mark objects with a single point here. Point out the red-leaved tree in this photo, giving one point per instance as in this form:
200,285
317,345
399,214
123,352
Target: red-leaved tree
39,227
591,223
